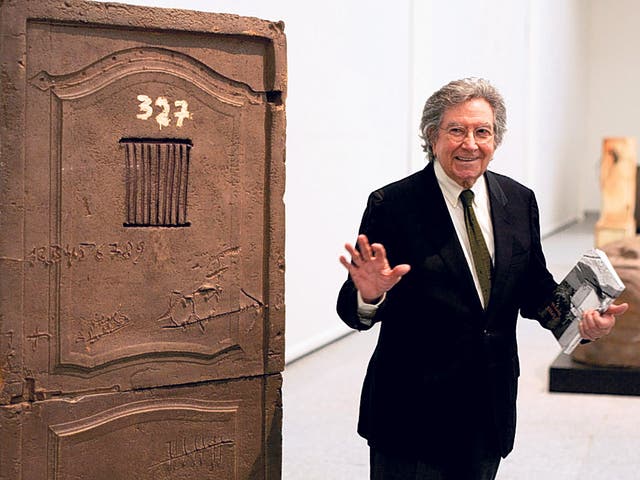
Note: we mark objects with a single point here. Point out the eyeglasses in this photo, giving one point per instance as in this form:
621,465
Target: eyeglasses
458,133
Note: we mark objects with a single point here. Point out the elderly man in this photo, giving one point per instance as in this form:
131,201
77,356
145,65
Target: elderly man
439,396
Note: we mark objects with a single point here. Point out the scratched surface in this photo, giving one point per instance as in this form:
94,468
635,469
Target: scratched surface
189,432
146,210
114,280
141,242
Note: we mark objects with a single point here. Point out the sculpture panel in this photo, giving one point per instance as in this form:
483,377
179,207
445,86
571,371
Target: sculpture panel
142,246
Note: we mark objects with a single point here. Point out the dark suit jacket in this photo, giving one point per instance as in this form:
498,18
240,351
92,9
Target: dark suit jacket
443,366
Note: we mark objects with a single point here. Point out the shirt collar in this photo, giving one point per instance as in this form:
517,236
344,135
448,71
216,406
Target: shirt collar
451,190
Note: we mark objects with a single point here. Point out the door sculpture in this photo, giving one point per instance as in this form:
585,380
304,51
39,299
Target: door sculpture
142,243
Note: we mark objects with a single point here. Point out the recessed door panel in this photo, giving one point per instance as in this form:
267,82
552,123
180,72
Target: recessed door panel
145,241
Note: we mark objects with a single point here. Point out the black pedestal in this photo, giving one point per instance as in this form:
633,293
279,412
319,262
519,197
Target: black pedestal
565,375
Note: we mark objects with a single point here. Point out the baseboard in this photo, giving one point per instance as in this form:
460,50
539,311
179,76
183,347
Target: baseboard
560,225
310,345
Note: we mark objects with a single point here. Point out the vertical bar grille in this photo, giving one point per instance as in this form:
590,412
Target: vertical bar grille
156,182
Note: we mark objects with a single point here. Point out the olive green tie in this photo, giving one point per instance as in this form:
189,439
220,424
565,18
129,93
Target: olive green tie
479,250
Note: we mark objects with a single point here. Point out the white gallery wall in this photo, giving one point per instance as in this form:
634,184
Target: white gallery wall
613,96
359,73
557,113
535,53
487,39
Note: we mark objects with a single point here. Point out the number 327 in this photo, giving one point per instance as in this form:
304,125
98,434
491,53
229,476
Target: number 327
163,118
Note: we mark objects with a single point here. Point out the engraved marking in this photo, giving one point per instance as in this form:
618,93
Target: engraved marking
128,183
101,326
186,182
86,206
156,182
228,251
197,307
35,336
179,171
134,193
172,163
201,322
253,298
42,394
217,273
11,353
54,254
215,261
183,309
165,180
147,176
196,452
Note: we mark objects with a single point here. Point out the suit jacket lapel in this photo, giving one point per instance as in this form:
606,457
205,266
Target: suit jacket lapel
502,235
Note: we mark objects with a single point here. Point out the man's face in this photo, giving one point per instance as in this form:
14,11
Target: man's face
464,160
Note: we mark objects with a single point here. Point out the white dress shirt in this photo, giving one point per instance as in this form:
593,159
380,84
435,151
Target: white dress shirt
481,207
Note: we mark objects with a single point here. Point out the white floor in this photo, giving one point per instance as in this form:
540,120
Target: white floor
560,436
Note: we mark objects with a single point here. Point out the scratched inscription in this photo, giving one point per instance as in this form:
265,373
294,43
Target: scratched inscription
35,336
214,263
70,254
193,308
182,312
100,326
10,351
200,306
199,451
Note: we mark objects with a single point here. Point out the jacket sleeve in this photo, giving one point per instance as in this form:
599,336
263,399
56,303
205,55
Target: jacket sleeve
540,282
371,226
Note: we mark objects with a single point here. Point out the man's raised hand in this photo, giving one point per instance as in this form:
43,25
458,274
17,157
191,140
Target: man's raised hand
370,270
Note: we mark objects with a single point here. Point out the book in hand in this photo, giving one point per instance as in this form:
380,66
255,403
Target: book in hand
592,284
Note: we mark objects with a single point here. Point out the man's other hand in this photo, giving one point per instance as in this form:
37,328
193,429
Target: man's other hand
595,325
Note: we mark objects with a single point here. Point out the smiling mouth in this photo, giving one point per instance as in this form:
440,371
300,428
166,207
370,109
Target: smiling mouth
466,159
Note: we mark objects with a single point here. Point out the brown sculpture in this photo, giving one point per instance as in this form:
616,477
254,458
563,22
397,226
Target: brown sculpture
618,188
621,348
141,242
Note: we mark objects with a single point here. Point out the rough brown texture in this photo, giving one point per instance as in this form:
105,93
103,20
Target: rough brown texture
622,347
142,242
209,430
618,185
